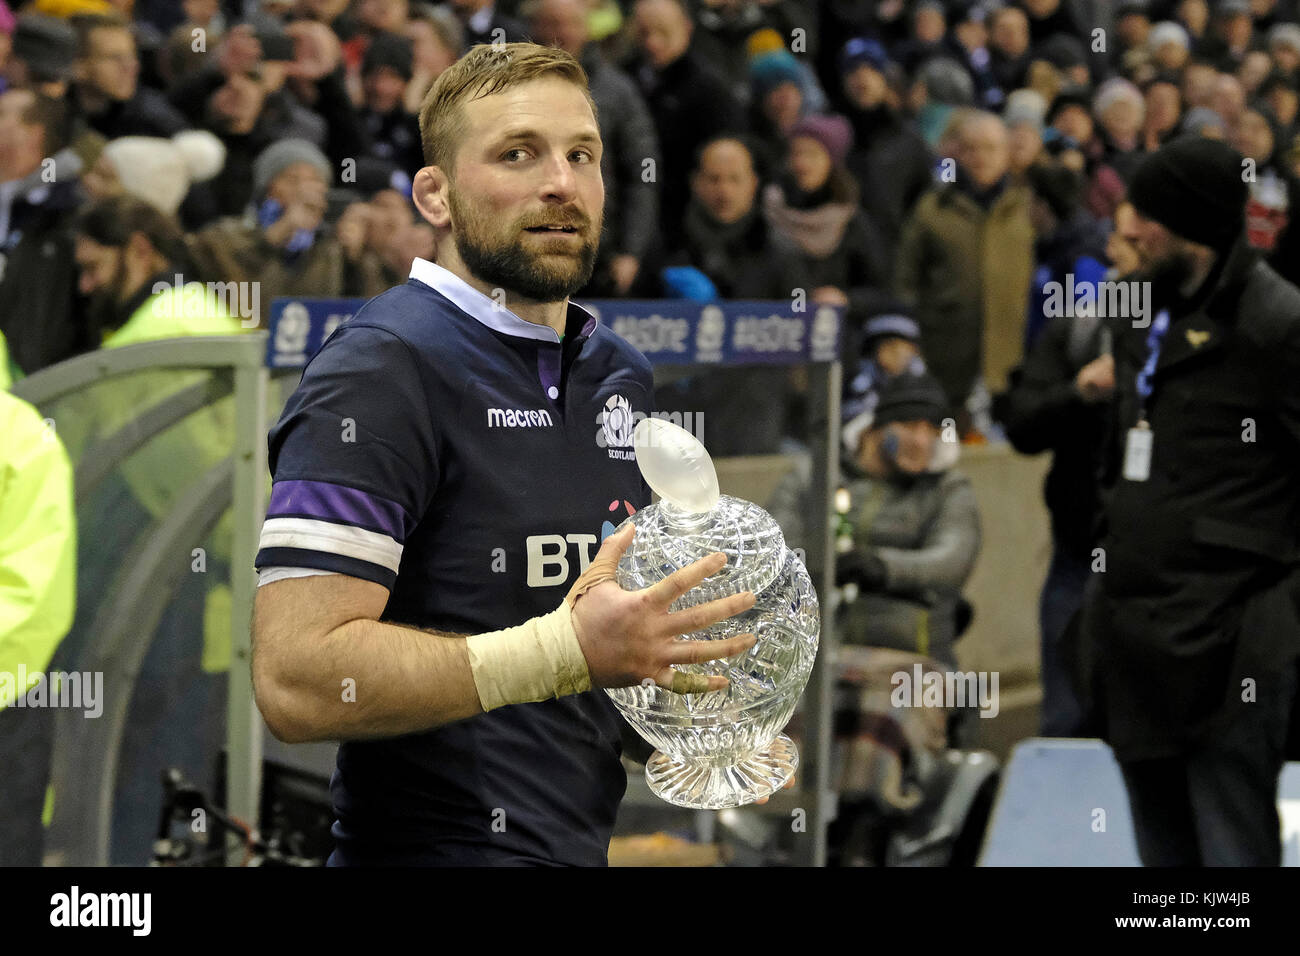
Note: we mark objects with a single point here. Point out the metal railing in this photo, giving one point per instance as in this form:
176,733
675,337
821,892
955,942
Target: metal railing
148,574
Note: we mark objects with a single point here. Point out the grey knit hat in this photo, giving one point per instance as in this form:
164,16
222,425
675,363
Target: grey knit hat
47,45
946,82
279,156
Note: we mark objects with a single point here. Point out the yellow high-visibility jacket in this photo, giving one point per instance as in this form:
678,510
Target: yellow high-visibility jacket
158,472
172,460
7,369
38,545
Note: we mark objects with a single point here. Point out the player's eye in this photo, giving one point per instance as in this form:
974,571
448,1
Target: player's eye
511,153
584,156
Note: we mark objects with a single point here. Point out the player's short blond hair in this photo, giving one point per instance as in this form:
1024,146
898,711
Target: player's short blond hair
485,69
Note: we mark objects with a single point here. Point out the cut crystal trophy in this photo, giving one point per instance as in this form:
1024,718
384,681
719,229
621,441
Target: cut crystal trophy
720,748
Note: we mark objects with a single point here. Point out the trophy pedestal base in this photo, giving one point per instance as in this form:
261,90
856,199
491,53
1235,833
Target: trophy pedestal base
692,784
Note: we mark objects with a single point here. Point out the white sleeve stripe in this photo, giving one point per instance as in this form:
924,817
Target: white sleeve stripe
271,575
309,534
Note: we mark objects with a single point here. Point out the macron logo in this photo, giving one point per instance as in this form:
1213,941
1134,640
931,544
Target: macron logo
518,418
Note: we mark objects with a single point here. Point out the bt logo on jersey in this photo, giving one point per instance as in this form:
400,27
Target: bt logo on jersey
549,561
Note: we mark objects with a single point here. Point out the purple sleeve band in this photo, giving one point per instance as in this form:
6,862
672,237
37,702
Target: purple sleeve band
331,502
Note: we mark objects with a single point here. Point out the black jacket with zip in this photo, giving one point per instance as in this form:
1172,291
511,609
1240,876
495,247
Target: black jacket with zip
1197,614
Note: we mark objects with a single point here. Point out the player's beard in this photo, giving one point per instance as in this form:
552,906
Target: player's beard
508,263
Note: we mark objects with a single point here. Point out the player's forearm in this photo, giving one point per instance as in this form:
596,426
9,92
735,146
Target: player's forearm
367,679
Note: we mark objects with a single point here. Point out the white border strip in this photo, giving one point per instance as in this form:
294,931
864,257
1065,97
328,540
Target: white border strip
311,535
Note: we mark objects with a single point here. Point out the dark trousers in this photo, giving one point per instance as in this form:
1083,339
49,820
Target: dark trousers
1216,806
1062,713
176,719
26,740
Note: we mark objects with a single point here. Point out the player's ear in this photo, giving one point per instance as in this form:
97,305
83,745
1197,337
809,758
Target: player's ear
430,191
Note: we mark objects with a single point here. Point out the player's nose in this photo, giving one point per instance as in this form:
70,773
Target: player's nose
559,182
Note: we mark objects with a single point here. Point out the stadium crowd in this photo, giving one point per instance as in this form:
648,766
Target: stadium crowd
879,155
933,167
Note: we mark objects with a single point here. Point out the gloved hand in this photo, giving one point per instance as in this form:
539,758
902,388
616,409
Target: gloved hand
863,568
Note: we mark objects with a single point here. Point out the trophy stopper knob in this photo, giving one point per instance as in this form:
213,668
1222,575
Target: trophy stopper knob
676,466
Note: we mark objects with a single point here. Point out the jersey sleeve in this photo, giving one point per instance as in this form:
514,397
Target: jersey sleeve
353,460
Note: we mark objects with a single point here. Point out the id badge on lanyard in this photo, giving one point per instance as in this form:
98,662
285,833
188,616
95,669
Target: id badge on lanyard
1140,438
1137,452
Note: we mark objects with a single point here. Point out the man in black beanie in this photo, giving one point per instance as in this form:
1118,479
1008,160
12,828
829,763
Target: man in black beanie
394,134
1194,626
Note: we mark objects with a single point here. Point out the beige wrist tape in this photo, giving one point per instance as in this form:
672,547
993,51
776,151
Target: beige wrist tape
540,658
537,660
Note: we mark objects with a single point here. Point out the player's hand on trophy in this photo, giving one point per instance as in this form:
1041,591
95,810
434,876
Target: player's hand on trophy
628,637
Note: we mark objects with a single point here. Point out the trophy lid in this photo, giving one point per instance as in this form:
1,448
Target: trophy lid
676,465
693,520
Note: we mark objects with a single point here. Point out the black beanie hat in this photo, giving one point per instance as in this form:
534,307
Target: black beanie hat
390,50
1193,186
1070,96
1063,51
911,397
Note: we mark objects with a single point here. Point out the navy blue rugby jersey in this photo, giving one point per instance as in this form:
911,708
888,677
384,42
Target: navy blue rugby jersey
471,463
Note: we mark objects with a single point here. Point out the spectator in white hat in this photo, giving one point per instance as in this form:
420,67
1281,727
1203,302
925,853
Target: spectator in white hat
1170,46
159,171
1120,111
1284,48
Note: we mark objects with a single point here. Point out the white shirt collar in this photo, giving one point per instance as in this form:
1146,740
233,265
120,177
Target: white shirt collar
479,306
